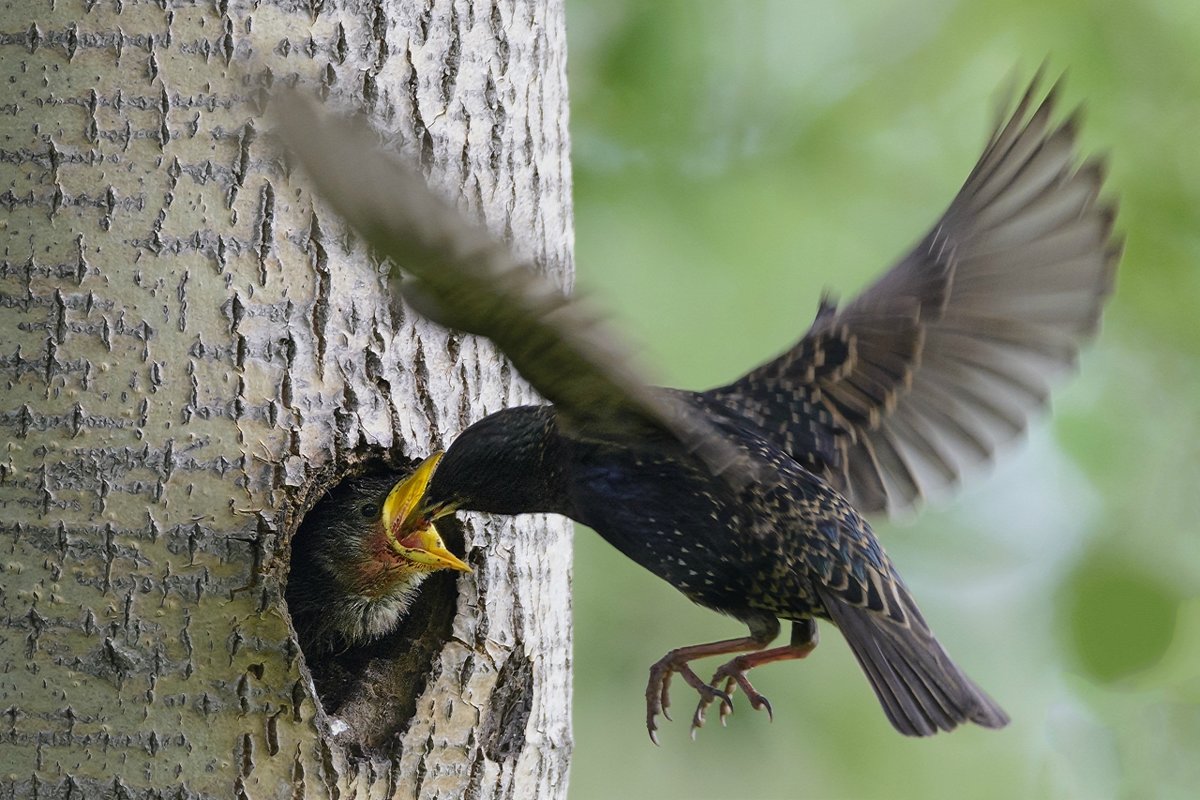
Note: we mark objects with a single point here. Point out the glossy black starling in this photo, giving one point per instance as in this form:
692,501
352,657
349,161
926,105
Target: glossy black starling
748,497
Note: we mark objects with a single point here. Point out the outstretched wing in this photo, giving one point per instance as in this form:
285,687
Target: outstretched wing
460,276
946,355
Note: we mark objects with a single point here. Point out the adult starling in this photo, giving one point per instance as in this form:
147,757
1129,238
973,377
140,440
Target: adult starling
748,497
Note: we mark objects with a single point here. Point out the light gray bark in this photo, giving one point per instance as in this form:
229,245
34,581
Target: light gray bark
192,350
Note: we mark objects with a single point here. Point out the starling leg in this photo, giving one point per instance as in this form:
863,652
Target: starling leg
733,672
762,631
676,661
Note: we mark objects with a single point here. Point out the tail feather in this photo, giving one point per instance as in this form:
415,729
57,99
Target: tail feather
922,691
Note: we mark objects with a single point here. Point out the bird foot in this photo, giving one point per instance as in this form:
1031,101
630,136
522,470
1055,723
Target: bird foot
734,675
658,699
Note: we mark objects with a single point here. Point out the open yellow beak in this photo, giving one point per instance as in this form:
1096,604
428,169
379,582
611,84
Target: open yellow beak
408,534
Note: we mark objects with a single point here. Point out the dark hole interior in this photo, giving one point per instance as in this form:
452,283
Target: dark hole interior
371,687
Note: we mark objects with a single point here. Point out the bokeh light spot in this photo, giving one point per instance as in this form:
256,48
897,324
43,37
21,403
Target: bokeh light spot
1119,620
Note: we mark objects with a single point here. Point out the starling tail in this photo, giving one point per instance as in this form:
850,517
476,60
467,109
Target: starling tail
921,690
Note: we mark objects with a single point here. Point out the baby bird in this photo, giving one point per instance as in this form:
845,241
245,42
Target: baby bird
359,558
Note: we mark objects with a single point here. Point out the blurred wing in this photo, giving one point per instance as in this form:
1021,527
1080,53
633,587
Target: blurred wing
946,355
461,277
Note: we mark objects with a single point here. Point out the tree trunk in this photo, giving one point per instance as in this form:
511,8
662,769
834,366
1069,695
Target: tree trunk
193,350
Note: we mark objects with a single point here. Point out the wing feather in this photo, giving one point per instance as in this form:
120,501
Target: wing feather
460,276
945,357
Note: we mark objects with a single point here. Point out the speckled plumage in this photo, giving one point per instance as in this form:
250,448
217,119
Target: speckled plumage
748,497
787,547
943,359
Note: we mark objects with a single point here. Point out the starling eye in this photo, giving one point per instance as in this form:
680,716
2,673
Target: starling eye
367,511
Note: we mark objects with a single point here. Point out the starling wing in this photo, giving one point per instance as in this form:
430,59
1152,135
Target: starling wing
946,355
462,277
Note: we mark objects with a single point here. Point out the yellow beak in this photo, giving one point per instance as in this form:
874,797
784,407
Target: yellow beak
410,536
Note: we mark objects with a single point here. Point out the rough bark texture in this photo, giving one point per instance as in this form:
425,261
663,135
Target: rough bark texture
193,350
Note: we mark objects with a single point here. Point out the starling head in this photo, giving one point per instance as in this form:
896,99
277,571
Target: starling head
507,463
360,556
413,543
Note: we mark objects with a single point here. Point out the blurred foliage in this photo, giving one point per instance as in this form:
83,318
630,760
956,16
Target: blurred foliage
1120,621
734,158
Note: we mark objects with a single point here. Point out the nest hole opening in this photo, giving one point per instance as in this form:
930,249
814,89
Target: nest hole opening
369,687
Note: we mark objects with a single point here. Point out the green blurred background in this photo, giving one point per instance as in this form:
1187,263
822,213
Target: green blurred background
734,158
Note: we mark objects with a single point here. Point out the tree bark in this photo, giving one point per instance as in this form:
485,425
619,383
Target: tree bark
194,349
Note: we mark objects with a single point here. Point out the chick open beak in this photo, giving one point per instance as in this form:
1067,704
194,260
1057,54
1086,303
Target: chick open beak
409,532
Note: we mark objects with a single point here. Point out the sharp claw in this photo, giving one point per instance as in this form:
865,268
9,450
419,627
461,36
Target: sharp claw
765,703
707,697
656,701
664,700
757,701
725,696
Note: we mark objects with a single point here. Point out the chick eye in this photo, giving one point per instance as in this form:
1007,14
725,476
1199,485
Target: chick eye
367,511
